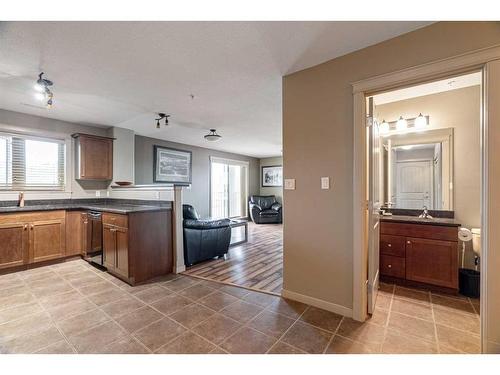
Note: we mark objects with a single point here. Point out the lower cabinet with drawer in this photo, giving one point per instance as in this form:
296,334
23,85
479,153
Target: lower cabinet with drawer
138,246
420,253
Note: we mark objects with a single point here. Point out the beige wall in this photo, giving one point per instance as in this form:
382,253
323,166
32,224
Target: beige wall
278,191
460,110
318,253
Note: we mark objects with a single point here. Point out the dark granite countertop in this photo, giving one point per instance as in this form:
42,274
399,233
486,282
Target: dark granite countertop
418,220
118,206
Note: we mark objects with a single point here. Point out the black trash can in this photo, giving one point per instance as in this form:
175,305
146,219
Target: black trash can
469,282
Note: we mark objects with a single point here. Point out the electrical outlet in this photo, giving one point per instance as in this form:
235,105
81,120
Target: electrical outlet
97,193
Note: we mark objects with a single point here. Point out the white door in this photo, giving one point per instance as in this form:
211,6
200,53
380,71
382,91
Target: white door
374,204
414,184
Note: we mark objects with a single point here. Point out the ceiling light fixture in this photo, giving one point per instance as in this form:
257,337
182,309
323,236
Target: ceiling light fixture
212,136
401,124
161,116
43,92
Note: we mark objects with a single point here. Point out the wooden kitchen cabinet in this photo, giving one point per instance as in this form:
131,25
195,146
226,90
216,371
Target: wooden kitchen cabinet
138,246
32,237
115,244
47,240
14,241
76,232
419,253
94,157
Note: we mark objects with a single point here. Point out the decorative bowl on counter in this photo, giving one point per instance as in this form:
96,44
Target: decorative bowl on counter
124,183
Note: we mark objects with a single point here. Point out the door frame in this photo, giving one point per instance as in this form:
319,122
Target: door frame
440,69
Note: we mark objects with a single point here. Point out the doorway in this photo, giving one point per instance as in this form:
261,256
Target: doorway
486,61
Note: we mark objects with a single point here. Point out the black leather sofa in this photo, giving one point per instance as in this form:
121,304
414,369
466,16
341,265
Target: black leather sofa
204,239
265,209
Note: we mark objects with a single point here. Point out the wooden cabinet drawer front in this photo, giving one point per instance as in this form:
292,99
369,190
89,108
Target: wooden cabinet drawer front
32,216
392,245
392,266
115,219
436,232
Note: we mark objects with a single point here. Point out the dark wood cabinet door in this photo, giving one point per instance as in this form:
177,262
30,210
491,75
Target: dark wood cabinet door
121,237
109,246
96,158
432,262
47,240
13,244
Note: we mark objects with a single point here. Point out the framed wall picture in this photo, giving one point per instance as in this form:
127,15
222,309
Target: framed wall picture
171,165
272,176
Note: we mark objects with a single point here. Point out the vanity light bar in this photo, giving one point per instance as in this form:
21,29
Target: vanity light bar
418,122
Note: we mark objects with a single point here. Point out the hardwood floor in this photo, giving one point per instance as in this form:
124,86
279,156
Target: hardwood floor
257,264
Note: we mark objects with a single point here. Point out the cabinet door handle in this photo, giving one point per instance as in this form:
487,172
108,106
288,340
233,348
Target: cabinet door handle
32,226
389,245
25,226
408,242
389,266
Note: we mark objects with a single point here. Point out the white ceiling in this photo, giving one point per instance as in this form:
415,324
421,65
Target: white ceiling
121,73
430,88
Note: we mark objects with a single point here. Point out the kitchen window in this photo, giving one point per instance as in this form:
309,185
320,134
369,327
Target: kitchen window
32,163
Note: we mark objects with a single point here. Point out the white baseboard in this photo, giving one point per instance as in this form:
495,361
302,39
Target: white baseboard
180,269
316,302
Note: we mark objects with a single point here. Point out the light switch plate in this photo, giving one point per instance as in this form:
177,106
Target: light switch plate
325,183
289,183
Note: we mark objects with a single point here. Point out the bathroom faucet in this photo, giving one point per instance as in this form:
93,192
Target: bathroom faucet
425,214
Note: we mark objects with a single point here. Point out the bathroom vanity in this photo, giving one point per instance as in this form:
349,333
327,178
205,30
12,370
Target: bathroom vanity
422,251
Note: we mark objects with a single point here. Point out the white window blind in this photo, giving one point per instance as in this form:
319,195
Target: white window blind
31,163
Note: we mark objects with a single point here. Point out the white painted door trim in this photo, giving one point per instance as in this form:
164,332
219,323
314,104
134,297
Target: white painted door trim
475,60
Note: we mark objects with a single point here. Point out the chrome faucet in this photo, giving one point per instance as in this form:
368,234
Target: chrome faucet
425,214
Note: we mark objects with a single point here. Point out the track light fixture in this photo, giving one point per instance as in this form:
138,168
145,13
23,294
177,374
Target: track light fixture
161,116
43,92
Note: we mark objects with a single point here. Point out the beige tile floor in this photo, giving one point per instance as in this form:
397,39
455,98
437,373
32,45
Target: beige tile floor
74,308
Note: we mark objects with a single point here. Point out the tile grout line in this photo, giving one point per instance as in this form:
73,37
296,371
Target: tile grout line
288,329
389,313
436,337
53,323
333,336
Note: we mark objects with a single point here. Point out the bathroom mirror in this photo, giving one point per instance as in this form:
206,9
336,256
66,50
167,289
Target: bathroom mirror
418,170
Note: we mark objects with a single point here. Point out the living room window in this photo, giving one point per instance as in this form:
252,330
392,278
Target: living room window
31,163
228,188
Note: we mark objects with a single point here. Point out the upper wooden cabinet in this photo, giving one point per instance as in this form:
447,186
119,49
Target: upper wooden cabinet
93,157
